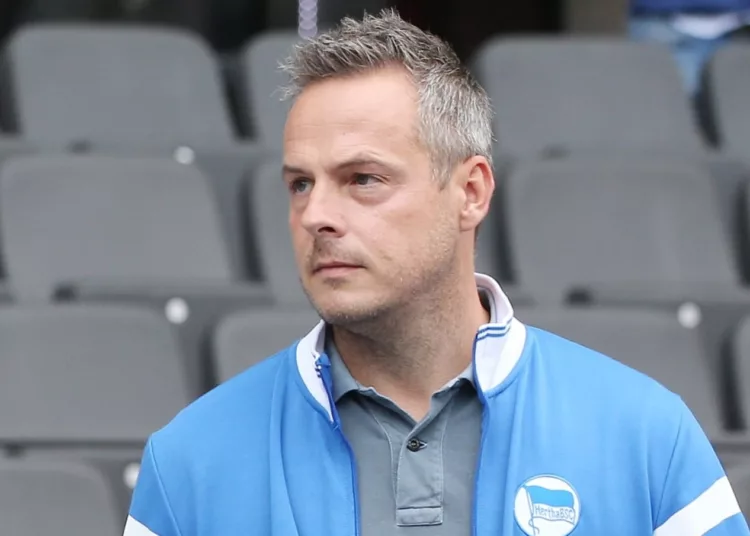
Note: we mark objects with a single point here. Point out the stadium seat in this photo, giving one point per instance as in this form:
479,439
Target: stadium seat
555,96
130,91
729,89
491,256
599,221
245,338
87,374
45,498
652,342
99,380
269,224
118,463
628,232
142,231
88,382
739,477
740,366
263,111
77,84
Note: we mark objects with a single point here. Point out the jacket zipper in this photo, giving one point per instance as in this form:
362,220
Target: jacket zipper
485,420
326,378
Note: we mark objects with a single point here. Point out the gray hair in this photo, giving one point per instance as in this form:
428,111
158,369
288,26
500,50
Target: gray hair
454,112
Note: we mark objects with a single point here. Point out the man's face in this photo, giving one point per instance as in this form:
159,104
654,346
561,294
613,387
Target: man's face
370,225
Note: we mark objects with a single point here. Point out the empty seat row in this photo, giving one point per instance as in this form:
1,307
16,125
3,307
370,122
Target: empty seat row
596,230
72,499
66,85
559,228
555,96
91,382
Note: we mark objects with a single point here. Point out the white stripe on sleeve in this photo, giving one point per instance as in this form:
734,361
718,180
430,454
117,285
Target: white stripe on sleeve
133,527
711,507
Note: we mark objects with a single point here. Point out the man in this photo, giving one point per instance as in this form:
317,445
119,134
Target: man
419,406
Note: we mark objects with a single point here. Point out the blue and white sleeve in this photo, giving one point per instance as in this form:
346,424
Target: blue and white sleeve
697,498
150,512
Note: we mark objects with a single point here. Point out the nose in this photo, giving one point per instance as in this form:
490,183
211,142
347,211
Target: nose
322,213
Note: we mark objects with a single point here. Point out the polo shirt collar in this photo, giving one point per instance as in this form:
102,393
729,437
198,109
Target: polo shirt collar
498,346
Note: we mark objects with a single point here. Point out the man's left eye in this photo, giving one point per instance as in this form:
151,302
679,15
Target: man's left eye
363,179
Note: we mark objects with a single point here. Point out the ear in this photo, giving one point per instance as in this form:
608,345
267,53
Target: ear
478,186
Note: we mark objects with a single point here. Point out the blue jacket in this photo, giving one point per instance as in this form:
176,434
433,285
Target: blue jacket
668,7
570,440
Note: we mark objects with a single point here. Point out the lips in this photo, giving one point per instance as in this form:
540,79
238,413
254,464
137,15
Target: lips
331,265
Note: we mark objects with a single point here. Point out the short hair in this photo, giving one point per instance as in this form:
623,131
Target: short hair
454,112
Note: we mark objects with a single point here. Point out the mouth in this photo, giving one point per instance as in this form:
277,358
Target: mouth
335,268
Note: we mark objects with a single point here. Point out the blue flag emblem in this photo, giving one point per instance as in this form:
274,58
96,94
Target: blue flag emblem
547,505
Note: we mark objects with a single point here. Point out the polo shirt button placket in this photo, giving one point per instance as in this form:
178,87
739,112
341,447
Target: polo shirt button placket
414,444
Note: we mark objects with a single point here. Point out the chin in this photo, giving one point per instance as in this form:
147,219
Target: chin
340,310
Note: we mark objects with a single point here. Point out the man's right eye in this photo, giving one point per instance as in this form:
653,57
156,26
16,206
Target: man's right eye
300,186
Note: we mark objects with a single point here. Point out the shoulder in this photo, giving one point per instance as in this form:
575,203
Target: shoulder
601,386
232,410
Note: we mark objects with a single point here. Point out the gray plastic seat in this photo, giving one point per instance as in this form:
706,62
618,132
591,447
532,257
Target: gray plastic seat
269,224
740,366
87,374
76,84
739,477
588,222
88,383
44,498
119,464
557,95
245,338
652,342
140,231
69,218
264,113
729,79
627,232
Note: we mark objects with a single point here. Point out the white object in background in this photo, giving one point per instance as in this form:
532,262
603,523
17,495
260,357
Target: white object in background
307,18
709,26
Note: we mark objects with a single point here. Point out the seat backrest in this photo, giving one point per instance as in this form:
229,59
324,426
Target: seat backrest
246,338
740,355
652,342
78,373
729,80
73,83
269,217
67,218
583,221
66,498
563,94
739,478
261,79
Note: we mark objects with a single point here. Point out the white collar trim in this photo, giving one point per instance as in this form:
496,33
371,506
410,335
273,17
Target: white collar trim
498,346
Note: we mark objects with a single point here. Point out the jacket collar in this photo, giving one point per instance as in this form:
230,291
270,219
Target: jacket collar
498,346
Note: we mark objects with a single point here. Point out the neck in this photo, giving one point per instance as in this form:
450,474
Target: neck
411,353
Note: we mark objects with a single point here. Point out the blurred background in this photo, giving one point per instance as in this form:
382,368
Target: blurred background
144,250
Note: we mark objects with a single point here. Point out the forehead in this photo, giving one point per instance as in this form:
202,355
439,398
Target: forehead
376,110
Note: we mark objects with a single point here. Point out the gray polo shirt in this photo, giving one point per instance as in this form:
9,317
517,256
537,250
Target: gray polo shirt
414,478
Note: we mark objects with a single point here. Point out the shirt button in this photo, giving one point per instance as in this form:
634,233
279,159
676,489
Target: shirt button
415,444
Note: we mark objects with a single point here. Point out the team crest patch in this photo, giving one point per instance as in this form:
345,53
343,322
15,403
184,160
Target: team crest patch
547,505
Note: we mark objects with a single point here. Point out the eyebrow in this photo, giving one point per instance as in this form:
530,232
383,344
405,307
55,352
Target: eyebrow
292,170
358,160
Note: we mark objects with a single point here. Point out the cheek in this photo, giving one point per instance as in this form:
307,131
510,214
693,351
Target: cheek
402,233
300,240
